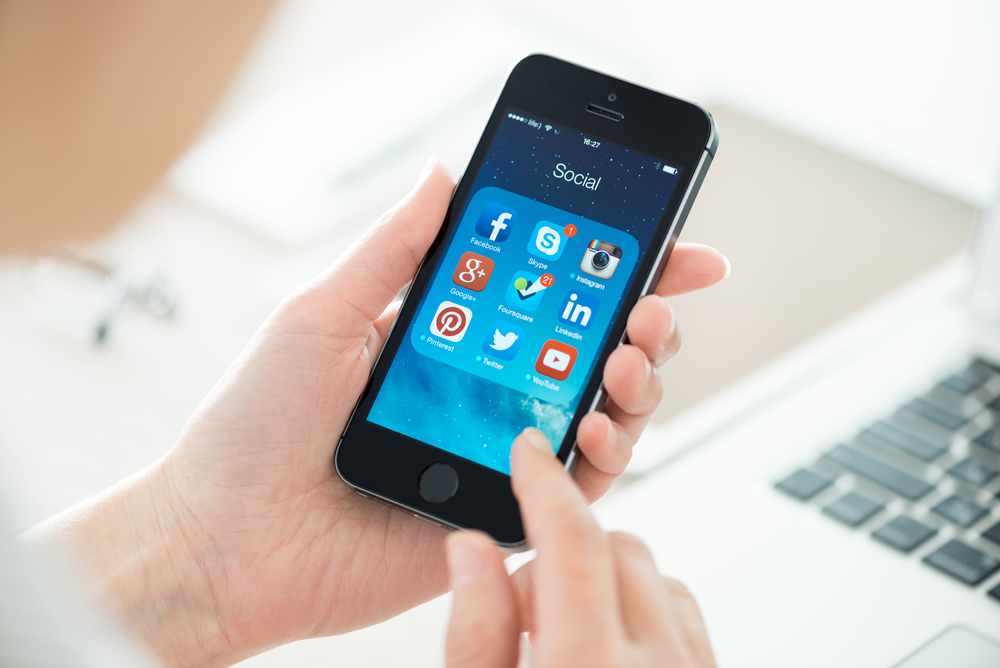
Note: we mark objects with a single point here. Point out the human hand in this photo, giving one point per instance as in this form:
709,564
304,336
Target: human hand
249,536
589,598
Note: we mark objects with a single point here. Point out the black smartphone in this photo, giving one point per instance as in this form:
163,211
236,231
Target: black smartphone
564,218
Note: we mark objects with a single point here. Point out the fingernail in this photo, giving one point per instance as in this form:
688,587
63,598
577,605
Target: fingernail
729,267
428,168
673,322
612,434
537,440
465,563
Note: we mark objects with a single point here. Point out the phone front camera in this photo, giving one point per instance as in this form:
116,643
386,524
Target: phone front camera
612,97
601,259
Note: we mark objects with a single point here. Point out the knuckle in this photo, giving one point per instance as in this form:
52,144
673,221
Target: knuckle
627,542
677,589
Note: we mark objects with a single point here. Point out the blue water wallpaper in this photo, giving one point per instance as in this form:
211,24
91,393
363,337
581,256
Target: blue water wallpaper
519,306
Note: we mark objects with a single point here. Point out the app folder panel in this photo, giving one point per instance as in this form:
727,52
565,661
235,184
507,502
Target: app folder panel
522,304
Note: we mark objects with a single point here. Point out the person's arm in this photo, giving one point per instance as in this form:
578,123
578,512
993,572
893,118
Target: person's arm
142,564
99,97
595,598
243,537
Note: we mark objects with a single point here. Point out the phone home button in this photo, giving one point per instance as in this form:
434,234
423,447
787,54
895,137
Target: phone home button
438,483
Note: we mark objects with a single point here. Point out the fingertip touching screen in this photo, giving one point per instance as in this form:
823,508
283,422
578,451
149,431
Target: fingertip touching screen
529,283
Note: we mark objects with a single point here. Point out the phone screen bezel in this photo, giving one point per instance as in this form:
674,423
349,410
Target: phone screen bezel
386,464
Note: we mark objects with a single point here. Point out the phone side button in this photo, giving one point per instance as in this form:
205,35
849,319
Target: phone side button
438,483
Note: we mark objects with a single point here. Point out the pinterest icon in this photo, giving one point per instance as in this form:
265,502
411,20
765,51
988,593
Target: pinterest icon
450,321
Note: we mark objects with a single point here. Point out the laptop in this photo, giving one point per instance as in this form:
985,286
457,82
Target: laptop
853,517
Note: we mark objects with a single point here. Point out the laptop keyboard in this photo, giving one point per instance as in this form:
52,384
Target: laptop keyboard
923,480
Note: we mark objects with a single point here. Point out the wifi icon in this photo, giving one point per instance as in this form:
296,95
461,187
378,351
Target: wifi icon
548,127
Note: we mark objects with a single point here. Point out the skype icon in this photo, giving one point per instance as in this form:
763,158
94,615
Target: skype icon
546,241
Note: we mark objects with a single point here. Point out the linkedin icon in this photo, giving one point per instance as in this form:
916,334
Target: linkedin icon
578,309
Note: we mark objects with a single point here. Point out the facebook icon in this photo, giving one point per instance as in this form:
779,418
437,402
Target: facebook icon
495,222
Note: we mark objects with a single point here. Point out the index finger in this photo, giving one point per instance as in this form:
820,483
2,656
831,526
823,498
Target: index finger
692,267
574,576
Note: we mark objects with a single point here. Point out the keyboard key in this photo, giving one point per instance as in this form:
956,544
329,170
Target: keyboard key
853,509
993,533
995,592
922,427
959,510
978,372
963,562
879,472
990,439
804,484
972,472
936,414
959,384
904,534
953,402
905,441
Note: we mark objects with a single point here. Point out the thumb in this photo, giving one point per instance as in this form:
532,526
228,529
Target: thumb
359,285
484,628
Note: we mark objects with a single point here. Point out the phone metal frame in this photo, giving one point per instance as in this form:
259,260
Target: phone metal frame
566,86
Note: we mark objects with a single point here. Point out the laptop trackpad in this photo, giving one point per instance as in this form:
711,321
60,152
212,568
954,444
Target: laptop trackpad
957,647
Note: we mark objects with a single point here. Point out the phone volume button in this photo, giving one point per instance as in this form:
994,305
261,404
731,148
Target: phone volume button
571,461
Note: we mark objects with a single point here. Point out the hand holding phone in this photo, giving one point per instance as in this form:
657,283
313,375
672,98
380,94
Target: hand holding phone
587,599
561,225
251,533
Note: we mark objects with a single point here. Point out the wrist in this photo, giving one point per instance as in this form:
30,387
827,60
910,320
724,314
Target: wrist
143,560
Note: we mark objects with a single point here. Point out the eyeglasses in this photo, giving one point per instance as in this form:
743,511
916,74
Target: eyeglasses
85,297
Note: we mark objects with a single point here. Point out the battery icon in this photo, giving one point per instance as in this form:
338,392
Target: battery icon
669,170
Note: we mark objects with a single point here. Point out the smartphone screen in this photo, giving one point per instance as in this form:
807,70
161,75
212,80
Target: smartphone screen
529,283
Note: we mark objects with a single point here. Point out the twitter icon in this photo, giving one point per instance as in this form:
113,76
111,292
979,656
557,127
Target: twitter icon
503,340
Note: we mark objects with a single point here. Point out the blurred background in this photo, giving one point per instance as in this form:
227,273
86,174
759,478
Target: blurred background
858,140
